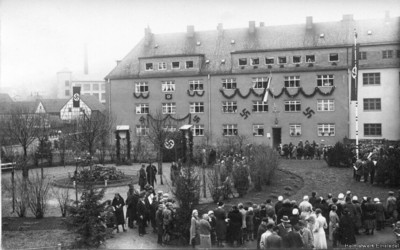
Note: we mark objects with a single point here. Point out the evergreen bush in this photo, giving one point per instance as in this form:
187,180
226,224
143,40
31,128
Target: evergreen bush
241,178
263,163
339,156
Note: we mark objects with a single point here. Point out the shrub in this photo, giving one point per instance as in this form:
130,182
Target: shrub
241,178
339,156
263,163
38,193
21,195
388,171
98,173
213,185
63,198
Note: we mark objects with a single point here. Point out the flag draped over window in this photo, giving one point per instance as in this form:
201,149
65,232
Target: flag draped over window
266,90
354,71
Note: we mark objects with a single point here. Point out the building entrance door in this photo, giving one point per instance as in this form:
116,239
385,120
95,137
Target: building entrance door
276,137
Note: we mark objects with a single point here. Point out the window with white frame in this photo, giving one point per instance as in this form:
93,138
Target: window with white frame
141,87
296,59
326,129
333,57
387,54
292,81
269,60
196,85
229,129
162,66
229,107
175,65
260,106
372,104
258,130
371,78
242,61
292,106
260,82
196,107
282,59
142,108
326,105
168,86
295,129
372,129
169,128
325,80
142,130
229,83
310,58
189,64
198,130
169,108
149,66
255,61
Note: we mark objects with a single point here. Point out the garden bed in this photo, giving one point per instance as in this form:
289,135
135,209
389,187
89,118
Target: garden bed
67,183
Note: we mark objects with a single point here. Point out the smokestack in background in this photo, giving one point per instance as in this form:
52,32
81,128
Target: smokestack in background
86,65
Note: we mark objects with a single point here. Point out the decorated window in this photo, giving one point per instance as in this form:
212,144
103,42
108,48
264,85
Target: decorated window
371,78
198,130
142,108
372,104
295,129
292,106
229,83
141,87
169,108
258,130
260,106
175,65
162,66
230,130
229,107
196,107
169,128
242,61
362,55
310,58
326,129
333,57
372,129
255,61
296,59
142,130
325,105
292,81
149,66
387,54
260,82
325,80
282,60
196,85
168,86
269,60
189,64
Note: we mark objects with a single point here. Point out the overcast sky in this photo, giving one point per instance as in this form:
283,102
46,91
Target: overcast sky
40,37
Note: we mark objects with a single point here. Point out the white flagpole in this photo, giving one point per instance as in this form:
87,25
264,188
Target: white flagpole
355,71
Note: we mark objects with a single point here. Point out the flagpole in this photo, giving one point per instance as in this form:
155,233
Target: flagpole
355,71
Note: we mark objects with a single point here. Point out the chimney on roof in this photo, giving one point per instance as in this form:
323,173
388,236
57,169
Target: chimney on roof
262,24
309,22
147,36
347,17
85,60
190,31
252,27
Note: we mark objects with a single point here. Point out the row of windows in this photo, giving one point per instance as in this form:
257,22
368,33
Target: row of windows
255,61
163,65
386,54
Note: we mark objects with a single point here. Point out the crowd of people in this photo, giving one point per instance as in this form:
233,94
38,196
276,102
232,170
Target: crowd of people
289,224
302,150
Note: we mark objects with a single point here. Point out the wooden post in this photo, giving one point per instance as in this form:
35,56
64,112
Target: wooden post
13,188
204,173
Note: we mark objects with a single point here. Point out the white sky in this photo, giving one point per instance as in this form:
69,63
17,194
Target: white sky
40,37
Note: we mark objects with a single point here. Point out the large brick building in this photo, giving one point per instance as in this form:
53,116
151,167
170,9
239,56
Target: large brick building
216,80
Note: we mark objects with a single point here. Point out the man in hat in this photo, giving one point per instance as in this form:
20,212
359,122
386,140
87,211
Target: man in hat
160,224
151,172
168,216
283,226
142,177
294,239
131,204
141,214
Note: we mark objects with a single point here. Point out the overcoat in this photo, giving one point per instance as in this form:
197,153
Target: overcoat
220,227
119,204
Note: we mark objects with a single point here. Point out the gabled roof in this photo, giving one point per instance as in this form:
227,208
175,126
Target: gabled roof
53,105
93,103
5,98
216,45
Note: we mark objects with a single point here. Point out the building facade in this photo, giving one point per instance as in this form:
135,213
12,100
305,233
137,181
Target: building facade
216,80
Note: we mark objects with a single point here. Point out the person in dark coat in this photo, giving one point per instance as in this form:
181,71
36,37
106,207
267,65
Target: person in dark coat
261,229
160,224
274,240
256,219
294,238
235,225
370,217
220,226
346,229
118,204
380,214
142,177
278,204
313,200
213,223
173,173
286,210
131,203
141,214
151,174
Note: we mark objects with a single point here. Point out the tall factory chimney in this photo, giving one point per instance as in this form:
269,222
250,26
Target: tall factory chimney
86,65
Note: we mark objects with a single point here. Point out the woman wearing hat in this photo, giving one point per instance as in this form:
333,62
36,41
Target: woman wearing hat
118,204
194,229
